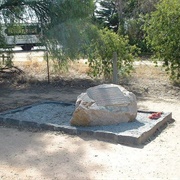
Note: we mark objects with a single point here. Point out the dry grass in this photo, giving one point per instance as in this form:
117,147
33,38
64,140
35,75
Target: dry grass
146,80
149,72
37,70
34,65
80,66
143,71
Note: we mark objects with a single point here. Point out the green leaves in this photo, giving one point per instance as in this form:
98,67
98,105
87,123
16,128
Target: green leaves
101,50
62,21
65,35
163,34
107,15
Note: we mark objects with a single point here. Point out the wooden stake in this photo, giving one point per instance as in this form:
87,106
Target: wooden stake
115,71
48,74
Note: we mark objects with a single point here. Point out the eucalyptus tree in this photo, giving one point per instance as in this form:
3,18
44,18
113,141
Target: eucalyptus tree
13,11
62,21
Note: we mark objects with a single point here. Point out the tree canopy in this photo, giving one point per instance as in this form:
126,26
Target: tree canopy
68,31
125,17
61,20
163,34
44,11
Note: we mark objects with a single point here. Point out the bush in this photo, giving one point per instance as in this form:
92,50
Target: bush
103,44
163,34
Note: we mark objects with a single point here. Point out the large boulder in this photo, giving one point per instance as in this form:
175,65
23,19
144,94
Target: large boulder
105,104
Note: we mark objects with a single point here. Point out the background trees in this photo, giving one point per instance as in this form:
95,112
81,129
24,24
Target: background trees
61,21
107,15
49,14
126,18
13,11
163,34
69,33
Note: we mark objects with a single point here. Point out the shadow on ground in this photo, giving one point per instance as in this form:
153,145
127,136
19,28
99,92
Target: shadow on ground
46,155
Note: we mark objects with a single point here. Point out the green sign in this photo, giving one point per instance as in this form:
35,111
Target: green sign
22,30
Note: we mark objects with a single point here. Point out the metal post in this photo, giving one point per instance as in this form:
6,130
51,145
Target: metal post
115,71
47,59
3,59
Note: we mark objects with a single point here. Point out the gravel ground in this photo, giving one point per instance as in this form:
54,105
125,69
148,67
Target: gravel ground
58,113
54,113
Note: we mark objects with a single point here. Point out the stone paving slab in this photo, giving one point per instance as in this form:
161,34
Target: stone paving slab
56,116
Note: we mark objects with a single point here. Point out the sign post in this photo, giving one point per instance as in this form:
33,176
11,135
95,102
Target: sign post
115,70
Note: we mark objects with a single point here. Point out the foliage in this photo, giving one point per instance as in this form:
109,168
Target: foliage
58,18
6,59
103,44
14,11
62,22
163,34
126,17
107,15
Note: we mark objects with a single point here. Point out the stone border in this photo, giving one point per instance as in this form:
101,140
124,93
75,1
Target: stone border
80,131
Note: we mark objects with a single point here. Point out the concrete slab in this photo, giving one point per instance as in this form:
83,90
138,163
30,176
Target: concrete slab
56,116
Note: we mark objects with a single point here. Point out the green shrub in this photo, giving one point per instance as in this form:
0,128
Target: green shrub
103,44
163,34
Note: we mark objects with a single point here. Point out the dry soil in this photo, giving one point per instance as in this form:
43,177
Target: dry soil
28,155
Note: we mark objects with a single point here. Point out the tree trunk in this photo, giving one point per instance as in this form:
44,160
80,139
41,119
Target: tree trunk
119,6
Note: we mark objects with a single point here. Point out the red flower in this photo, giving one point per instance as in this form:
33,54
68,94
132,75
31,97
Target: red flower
156,115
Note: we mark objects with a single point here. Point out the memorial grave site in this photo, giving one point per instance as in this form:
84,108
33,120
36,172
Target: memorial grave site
77,112
108,112
102,110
